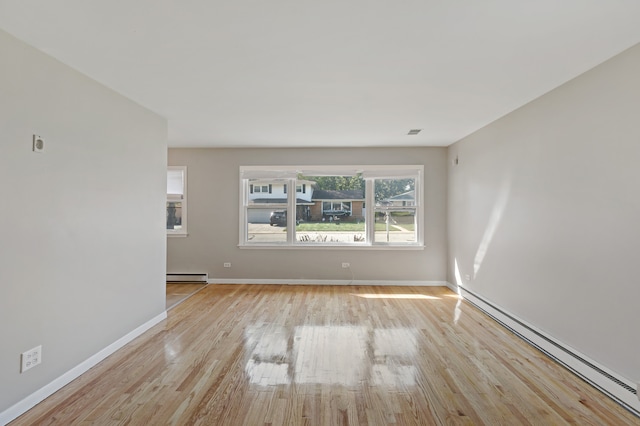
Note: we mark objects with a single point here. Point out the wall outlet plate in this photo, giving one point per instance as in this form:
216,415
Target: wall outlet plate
30,358
346,265
227,264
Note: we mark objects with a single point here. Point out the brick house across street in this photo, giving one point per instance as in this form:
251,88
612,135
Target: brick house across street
311,204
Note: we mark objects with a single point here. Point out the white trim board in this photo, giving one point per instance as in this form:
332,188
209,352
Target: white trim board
452,287
38,396
620,389
412,283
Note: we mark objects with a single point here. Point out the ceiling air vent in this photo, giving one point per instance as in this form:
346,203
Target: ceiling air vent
414,131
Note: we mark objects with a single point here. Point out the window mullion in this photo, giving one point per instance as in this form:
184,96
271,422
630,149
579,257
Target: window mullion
419,206
291,214
245,188
370,222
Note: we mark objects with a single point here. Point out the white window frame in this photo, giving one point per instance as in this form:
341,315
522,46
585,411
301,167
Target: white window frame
182,198
289,174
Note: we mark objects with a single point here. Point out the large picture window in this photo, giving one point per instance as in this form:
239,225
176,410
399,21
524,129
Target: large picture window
329,206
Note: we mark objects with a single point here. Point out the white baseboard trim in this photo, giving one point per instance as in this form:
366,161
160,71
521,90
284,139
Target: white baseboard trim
30,401
328,282
452,287
622,390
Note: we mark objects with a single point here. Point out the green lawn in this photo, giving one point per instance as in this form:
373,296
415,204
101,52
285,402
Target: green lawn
330,227
346,227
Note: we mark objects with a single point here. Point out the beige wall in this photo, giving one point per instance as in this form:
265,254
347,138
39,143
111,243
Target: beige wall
213,204
82,252
544,213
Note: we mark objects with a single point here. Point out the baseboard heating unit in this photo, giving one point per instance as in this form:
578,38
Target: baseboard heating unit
620,389
187,278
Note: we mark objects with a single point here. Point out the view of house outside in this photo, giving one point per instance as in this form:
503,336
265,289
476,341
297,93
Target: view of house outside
331,209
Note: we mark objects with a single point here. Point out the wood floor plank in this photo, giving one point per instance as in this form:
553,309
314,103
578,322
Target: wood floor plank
178,292
333,355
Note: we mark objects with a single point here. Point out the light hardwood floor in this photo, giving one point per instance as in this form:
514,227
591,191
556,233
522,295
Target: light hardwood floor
333,355
178,292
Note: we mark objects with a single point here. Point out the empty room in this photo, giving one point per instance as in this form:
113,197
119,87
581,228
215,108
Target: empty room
317,213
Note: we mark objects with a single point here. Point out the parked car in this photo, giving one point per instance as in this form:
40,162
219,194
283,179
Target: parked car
334,214
278,218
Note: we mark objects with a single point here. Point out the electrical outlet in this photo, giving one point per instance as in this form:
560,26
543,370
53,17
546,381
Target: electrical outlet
227,264
31,358
346,265
467,277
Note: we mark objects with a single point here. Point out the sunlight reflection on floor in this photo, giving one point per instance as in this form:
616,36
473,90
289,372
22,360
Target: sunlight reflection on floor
308,355
395,296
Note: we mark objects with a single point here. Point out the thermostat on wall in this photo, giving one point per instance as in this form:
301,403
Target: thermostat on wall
38,144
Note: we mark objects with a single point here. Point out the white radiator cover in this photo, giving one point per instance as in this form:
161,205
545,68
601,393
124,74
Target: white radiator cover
188,278
620,389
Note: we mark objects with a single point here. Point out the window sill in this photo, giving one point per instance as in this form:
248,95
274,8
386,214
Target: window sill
328,247
177,235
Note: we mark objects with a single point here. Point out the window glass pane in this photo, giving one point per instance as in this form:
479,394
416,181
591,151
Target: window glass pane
175,182
395,211
266,212
330,210
174,215
176,207
328,206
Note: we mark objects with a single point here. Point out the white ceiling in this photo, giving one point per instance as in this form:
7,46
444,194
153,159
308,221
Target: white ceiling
282,73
